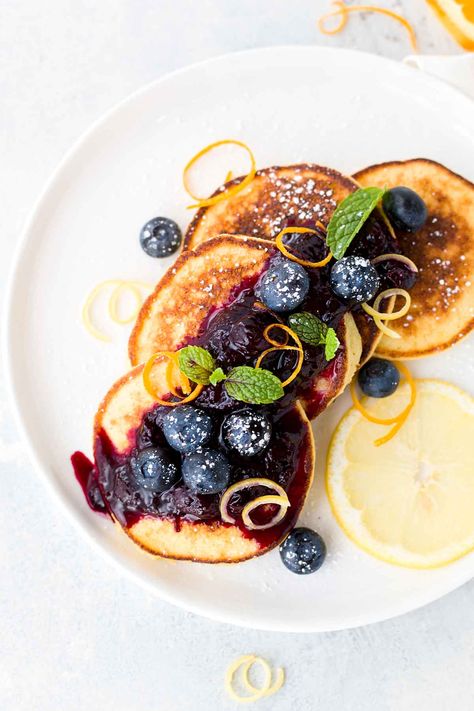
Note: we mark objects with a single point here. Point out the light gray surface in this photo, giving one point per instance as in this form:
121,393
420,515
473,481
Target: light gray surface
74,634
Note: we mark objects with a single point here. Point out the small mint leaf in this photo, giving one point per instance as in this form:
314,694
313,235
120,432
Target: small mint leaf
332,343
196,363
216,376
348,218
308,328
256,386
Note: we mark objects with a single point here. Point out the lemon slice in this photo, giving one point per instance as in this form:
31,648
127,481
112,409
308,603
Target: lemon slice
458,18
411,501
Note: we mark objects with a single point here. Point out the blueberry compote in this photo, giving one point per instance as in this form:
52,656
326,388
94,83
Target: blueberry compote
234,336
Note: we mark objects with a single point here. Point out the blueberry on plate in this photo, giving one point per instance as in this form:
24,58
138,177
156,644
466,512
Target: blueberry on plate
303,551
160,237
284,286
154,470
187,428
378,378
206,471
405,209
354,279
246,432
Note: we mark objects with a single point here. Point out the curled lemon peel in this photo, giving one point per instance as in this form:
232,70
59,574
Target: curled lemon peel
397,420
380,317
283,249
148,385
282,501
396,258
246,484
119,285
342,10
224,194
276,346
244,664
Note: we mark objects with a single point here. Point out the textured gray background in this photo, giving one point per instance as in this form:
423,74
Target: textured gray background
74,634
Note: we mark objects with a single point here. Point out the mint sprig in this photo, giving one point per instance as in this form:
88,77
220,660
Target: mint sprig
256,386
197,364
310,329
217,376
348,218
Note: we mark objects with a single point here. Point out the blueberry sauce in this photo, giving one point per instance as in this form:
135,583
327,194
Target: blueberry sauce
233,333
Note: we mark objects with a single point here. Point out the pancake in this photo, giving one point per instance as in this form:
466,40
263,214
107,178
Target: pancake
117,423
295,195
202,281
442,310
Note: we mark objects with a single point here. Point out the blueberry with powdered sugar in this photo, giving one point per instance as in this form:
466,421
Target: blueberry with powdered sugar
303,551
284,286
246,432
206,471
154,470
187,428
160,237
354,279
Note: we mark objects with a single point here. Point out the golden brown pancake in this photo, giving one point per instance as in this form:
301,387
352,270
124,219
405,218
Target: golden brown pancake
206,279
442,310
298,195
116,422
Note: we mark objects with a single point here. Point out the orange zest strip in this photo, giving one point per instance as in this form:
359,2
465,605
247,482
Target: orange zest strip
224,194
148,385
174,375
342,10
294,258
276,346
399,419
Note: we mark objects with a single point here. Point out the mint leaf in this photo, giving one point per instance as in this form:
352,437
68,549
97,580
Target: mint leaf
256,386
332,343
348,218
308,327
196,363
216,376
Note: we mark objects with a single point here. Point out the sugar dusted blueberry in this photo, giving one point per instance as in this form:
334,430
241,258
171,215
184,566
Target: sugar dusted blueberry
303,551
206,471
354,279
246,432
154,470
187,428
160,237
284,286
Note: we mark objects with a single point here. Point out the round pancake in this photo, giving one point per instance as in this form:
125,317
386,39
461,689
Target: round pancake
442,310
208,278
298,195
119,416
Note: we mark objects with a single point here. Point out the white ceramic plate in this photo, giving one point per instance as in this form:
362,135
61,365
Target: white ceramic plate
332,107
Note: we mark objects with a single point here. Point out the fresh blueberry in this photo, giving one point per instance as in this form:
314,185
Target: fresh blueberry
378,378
354,279
160,237
246,432
187,428
303,551
405,209
284,286
154,470
206,471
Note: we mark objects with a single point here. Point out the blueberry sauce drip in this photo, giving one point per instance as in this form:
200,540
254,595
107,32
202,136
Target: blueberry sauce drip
234,335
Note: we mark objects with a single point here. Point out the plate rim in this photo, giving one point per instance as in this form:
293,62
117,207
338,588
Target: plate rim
44,470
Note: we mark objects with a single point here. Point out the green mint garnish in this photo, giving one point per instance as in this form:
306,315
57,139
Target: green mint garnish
217,376
348,218
331,344
310,329
256,386
197,364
